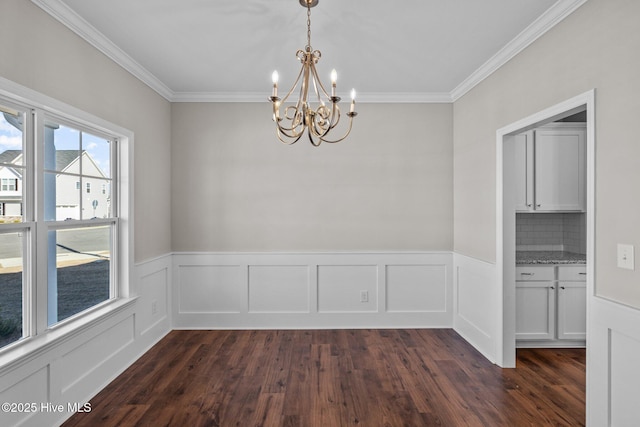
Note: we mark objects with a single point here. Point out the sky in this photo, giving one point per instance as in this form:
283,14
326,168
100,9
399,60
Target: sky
66,138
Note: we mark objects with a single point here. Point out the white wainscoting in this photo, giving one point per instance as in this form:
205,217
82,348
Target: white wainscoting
474,313
613,371
74,367
312,290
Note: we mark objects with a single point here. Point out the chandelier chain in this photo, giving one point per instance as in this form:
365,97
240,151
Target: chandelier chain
308,26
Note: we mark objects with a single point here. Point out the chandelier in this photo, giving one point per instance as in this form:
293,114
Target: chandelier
298,117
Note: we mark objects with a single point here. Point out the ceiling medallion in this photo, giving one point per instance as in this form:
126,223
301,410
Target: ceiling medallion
299,117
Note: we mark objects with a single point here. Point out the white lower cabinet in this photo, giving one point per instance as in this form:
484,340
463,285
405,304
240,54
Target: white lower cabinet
551,305
572,303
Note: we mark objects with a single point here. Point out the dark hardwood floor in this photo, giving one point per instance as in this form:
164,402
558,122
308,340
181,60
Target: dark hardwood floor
333,378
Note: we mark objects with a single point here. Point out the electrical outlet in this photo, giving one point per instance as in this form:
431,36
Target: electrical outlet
154,307
364,296
625,257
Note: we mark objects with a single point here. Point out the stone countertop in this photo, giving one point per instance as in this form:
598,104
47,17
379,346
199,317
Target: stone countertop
549,257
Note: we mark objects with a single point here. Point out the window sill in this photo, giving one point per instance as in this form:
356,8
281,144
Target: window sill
27,349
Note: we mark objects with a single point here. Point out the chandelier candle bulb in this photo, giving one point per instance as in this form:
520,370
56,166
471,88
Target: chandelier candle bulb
334,80
274,78
353,101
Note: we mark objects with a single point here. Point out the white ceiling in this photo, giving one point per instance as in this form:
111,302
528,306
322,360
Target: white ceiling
225,50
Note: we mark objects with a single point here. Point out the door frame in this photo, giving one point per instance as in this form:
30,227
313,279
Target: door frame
505,219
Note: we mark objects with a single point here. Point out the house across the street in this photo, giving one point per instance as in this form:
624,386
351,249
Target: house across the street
76,197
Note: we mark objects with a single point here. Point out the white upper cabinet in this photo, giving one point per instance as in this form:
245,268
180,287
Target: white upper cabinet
550,165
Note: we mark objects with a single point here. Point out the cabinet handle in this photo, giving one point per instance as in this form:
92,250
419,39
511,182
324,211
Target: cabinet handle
561,287
538,205
527,274
551,287
582,274
529,205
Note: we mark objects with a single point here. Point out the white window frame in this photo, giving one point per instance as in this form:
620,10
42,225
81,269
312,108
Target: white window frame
37,334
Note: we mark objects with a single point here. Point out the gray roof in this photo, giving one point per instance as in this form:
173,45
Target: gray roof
63,157
9,156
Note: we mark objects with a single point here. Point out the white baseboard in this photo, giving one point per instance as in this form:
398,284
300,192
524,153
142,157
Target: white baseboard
312,290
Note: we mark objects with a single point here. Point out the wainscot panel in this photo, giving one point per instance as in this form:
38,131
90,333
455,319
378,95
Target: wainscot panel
210,288
68,368
613,373
32,389
312,290
279,289
474,312
417,288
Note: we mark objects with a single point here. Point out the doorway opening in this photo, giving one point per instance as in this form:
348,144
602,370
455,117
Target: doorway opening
506,215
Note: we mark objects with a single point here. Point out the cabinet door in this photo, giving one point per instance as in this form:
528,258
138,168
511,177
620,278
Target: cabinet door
535,310
559,170
524,171
572,310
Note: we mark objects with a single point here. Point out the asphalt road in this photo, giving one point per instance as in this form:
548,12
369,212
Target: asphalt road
94,239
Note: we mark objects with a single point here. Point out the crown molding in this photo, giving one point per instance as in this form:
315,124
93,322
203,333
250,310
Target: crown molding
220,96
91,35
535,30
404,97
368,97
61,12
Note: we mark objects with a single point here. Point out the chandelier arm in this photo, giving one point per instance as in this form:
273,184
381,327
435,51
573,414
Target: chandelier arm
294,131
317,130
315,90
336,114
279,120
315,143
315,75
325,126
343,136
293,87
291,140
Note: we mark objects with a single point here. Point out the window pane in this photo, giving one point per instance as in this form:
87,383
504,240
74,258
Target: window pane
97,162
62,148
62,197
11,165
81,277
97,203
11,288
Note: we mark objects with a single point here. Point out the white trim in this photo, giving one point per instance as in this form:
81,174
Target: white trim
65,15
505,296
125,260
549,19
612,371
24,352
370,97
474,281
312,290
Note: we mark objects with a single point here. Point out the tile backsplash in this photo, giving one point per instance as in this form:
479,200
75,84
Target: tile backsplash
551,231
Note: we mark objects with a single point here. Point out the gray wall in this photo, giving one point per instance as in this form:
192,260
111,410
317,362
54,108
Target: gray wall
387,187
595,47
43,55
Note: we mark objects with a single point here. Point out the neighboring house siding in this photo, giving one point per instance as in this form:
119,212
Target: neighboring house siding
11,191
93,191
